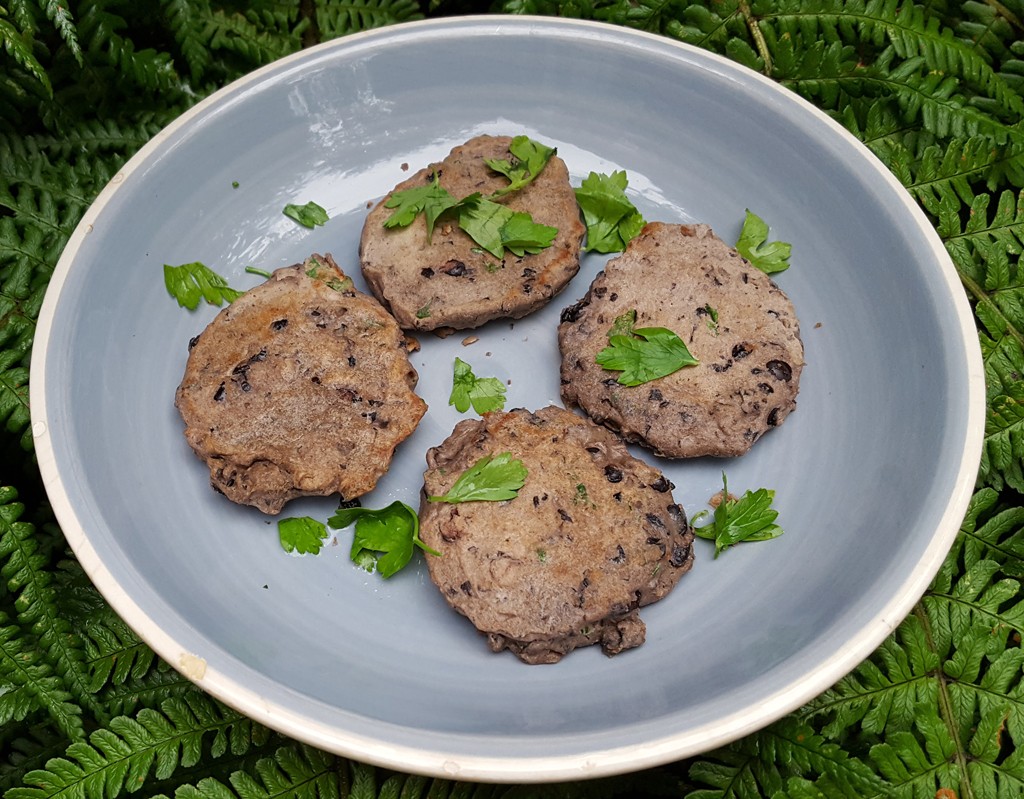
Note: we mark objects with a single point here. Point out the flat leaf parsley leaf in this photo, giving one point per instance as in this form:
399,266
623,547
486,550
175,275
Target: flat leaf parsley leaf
308,215
384,539
612,220
190,283
495,228
483,393
490,479
749,518
642,354
431,200
753,244
531,157
301,534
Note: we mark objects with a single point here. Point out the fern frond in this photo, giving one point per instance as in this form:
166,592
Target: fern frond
760,764
24,570
884,691
236,33
294,771
59,14
336,19
919,766
14,410
27,750
122,755
21,51
22,669
184,18
1003,450
115,654
100,30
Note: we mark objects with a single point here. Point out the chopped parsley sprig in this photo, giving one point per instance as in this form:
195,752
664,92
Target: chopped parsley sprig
749,518
490,479
530,158
302,534
491,225
611,218
642,354
753,244
482,393
384,539
308,215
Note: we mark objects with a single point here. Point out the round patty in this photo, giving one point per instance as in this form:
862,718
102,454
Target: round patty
450,282
733,319
302,386
593,535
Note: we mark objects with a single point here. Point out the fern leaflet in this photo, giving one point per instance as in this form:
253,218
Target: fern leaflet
121,756
21,51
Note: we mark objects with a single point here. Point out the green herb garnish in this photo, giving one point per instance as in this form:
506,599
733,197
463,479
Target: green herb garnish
252,270
490,479
483,393
769,257
712,315
384,539
491,225
612,220
308,215
642,354
749,518
190,283
301,534
530,158
431,200
495,228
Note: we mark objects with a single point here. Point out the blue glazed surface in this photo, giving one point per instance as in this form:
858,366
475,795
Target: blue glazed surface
872,472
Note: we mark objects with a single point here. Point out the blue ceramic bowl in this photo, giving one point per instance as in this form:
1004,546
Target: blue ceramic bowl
872,472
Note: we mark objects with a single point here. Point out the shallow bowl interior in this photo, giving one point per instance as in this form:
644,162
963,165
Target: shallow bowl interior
872,472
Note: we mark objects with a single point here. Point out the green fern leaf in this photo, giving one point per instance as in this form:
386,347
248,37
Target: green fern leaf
185,20
60,16
294,771
121,756
236,33
25,573
1004,439
26,750
335,19
100,30
21,669
14,410
115,653
760,764
919,766
21,51
884,691
988,532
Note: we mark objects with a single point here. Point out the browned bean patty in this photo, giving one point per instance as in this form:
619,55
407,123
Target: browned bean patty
593,535
734,320
302,386
451,282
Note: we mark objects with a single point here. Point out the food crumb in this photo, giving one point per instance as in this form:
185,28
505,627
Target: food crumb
369,203
817,325
470,340
412,344
405,166
265,585
716,498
